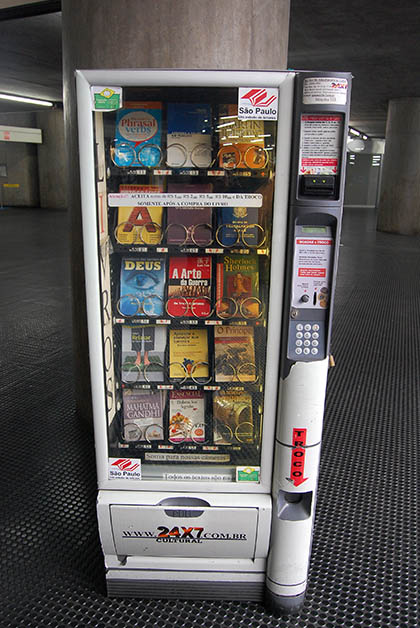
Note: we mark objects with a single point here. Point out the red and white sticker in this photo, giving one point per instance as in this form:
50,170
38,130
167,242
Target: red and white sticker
297,464
325,90
312,265
258,103
320,143
124,469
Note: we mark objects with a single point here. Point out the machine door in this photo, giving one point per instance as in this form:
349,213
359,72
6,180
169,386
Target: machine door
185,182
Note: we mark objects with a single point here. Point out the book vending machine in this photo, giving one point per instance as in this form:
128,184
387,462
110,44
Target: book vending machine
211,206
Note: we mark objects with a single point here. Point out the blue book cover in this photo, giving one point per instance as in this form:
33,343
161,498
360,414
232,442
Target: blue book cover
189,135
142,287
138,128
239,217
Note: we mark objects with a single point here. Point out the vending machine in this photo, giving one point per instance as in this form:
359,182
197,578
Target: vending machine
211,205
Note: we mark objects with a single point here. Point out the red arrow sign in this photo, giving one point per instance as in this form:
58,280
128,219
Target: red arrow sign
297,465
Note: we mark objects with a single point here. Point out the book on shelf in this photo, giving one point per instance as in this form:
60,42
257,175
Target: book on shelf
142,286
241,142
139,225
189,286
187,225
187,416
233,227
143,353
143,414
232,417
189,135
237,278
138,131
188,353
234,354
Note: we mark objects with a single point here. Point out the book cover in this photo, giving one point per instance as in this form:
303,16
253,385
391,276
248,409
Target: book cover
143,347
240,141
133,219
232,417
142,286
182,220
186,416
188,347
237,278
240,218
189,135
234,354
143,414
189,279
137,125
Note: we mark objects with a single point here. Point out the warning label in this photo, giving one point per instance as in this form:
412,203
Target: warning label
320,143
312,272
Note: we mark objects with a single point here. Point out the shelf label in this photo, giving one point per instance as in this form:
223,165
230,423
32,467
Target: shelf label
207,322
173,199
163,321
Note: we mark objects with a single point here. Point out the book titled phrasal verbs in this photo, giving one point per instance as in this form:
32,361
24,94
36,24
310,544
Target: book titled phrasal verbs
142,287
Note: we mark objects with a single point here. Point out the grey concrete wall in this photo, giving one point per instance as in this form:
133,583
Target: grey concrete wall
21,162
52,159
190,34
399,205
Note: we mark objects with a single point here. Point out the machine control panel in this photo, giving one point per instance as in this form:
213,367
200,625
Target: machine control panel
311,286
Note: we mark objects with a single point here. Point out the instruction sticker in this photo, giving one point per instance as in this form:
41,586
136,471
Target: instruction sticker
168,199
258,103
320,143
106,98
325,90
312,272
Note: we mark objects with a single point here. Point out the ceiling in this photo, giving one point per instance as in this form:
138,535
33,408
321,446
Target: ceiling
377,41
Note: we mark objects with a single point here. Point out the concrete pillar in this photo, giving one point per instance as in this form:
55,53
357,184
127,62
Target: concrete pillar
190,34
399,205
52,160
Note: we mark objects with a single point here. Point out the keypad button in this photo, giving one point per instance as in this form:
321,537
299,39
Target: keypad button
307,334
298,343
316,327
298,351
306,351
315,335
306,343
308,327
299,327
315,343
314,351
299,334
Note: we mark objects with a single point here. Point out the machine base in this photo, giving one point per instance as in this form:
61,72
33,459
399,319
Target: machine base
286,604
186,590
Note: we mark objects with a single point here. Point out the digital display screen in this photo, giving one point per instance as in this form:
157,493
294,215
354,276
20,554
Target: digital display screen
314,229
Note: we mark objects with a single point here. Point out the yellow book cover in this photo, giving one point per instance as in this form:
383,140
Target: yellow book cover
240,141
135,223
188,353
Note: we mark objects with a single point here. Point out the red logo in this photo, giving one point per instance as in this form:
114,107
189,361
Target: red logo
259,96
125,464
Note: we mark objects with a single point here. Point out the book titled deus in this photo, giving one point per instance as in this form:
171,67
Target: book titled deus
142,286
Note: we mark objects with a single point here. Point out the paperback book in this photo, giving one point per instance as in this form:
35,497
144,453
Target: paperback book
189,286
138,130
232,417
186,416
234,227
143,414
237,278
143,353
234,354
188,354
189,135
189,225
241,142
142,287
139,225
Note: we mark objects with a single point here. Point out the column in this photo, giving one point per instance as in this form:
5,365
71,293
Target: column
399,205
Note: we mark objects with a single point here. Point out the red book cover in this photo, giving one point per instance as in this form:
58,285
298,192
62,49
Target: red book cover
189,286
